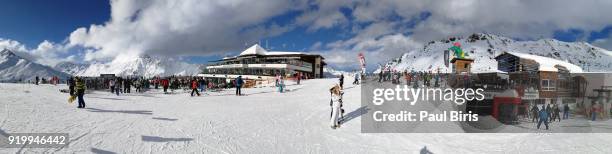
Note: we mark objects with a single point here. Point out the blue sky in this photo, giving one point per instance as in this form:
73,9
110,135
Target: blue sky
96,30
33,21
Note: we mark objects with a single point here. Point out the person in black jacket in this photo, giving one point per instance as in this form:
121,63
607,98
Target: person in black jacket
80,90
239,83
534,113
341,81
566,111
71,83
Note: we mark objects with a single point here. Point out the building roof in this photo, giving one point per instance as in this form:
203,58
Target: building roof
258,50
254,50
548,64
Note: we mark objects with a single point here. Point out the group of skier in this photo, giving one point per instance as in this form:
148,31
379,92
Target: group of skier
412,78
548,113
121,85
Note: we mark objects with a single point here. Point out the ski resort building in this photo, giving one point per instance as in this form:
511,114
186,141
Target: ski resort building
551,77
258,63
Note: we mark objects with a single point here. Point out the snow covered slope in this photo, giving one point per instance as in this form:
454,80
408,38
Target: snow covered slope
71,68
263,121
14,68
484,47
141,66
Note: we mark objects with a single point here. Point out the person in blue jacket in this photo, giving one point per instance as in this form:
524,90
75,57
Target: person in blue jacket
543,114
239,83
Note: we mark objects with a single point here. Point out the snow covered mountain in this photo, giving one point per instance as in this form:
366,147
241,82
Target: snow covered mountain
14,68
71,68
329,72
484,47
140,66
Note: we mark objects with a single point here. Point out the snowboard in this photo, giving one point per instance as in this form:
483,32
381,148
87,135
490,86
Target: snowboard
71,99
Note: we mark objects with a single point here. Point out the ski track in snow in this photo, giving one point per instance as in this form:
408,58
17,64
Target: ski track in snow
264,121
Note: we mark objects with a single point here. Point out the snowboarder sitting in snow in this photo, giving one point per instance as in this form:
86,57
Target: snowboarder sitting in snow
336,104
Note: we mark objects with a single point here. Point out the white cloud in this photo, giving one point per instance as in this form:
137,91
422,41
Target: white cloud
376,51
46,52
605,43
187,27
511,18
380,27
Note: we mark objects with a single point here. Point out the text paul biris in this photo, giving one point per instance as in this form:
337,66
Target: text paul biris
411,96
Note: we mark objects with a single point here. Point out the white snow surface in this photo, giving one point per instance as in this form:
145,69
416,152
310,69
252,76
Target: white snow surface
483,48
264,121
14,68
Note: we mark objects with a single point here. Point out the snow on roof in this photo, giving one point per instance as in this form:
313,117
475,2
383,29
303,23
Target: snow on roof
282,53
254,50
258,50
548,64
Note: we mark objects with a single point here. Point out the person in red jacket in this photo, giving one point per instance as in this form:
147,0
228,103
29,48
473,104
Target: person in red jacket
194,87
165,84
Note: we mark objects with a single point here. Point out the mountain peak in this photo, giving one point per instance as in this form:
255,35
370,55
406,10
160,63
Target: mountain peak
484,47
7,52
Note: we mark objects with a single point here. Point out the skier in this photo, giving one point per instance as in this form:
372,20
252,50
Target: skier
281,85
165,84
277,79
549,111
194,87
127,85
593,112
336,102
156,82
138,85
239,83
543,114
201,84
566,111
71,85
118,86
341,81
437,79
556,111
408,78
205,84
356,81
111,84
80,90
534,112
299,77
37,79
